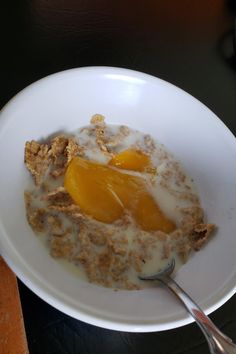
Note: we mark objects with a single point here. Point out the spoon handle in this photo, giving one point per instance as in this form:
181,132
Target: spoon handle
218,342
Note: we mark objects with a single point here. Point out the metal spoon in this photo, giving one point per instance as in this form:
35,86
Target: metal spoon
218,342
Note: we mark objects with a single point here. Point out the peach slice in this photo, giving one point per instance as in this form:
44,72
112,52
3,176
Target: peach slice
131,159
105,193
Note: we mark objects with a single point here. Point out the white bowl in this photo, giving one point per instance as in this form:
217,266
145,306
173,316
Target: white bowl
65,101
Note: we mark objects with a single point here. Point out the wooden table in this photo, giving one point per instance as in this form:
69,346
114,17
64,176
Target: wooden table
12,331
188,43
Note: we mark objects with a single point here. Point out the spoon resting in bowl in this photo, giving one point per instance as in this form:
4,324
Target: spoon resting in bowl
218,342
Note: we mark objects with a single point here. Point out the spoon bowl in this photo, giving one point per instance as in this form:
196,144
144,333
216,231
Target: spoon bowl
167,270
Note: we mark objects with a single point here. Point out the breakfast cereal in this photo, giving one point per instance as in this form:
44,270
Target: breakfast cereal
114,202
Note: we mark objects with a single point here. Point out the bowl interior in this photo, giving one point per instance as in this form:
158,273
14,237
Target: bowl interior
66,101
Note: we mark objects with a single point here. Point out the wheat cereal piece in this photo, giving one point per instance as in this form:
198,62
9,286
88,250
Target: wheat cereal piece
100,132
124,130
97,238
36,218
65,146
73,149
104,261
191,217
201,235
57,152
151,170
37,159
189,196
149,143
118,266
72,211
95,276
115,140
54,225
117,246
83,257
166,174
176,234
101,144
61,245
63,149
195,212
96,234
58,172
160,235
116,249
187,224
84,239
137,261
58,145
183,249
125,220
97,119
99,122
58,196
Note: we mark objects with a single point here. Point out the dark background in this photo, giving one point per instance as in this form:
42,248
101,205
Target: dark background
188,43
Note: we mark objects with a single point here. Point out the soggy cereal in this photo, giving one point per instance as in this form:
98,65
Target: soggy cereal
114,202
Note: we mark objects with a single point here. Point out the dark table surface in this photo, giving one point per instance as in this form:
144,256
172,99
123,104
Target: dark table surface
188,43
